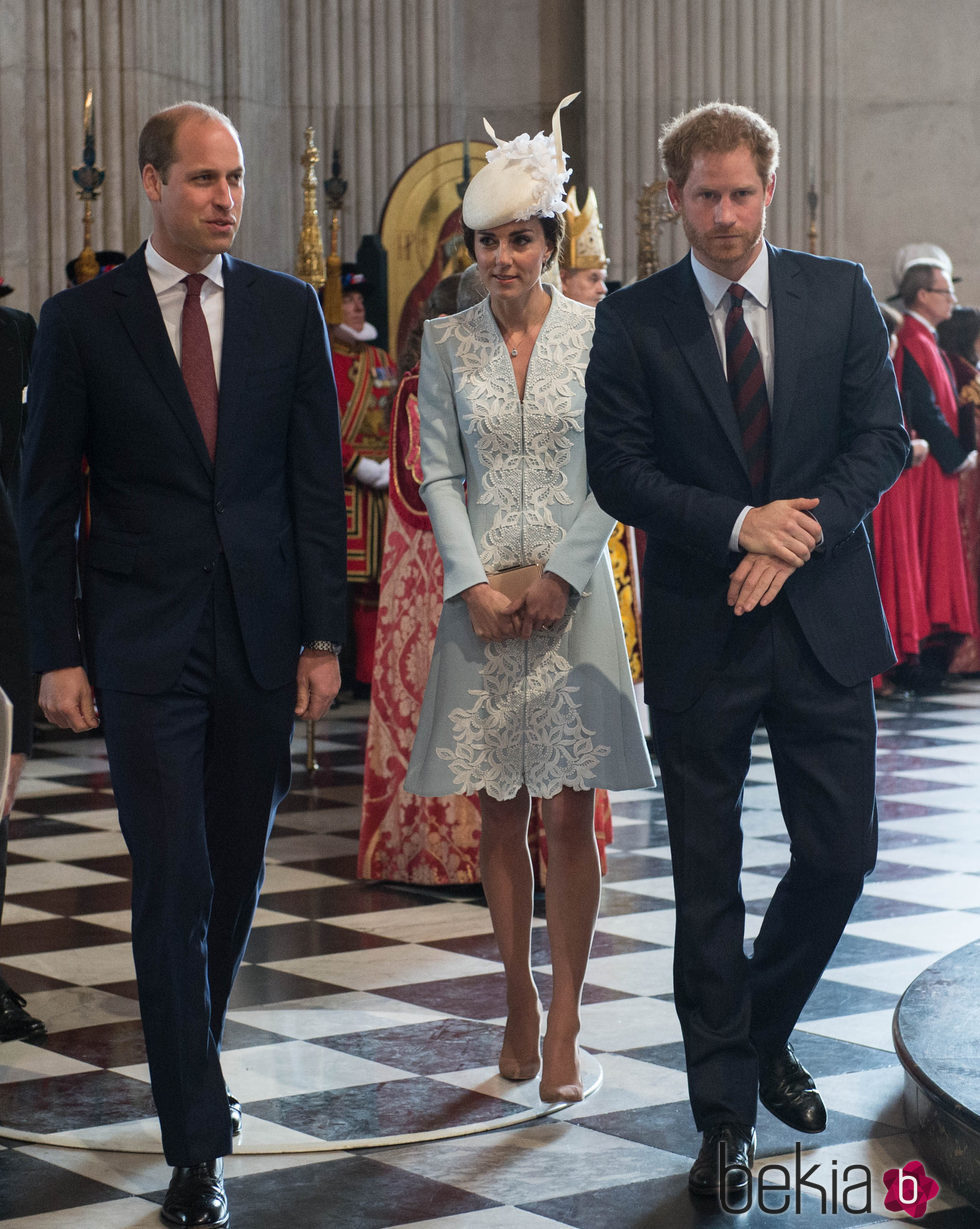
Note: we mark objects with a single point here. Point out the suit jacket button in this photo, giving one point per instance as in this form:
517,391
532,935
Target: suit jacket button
209,567
219,506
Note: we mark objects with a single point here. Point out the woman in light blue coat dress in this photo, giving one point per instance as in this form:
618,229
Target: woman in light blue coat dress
528,696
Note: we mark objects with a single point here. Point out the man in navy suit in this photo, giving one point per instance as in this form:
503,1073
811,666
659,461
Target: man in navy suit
212,589
742,410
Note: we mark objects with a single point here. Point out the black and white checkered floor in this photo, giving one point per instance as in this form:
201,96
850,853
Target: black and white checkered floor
373,1013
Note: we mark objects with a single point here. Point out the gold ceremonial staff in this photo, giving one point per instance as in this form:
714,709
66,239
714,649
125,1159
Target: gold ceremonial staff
309,255
89,179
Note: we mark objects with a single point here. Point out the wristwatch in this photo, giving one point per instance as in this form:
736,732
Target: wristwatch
325,646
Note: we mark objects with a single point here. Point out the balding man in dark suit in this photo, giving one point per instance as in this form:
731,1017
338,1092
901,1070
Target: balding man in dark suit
213,592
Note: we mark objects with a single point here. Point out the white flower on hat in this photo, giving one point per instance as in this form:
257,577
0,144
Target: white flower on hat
538,159
523,178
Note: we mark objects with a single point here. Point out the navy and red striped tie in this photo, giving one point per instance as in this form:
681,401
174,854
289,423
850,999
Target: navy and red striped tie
746,379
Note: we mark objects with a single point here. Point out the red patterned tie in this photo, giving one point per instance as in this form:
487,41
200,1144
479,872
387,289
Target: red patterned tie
197,361
747,381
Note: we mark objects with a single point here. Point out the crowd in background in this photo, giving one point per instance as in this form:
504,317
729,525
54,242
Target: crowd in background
927,527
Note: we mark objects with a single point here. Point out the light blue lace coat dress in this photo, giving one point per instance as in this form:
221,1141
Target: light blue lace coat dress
558,709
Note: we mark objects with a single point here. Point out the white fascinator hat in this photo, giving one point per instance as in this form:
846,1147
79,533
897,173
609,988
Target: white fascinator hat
523,178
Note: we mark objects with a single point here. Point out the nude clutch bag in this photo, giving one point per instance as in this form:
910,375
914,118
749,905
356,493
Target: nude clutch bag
515,582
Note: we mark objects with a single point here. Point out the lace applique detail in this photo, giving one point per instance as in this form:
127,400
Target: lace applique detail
523,448
524,727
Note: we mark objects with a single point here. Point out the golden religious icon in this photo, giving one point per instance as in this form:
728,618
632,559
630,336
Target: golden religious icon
421,230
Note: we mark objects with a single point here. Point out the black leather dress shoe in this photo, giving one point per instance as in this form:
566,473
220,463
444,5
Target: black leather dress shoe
731,1144
235,1110
788,1092
197,1195
15,1023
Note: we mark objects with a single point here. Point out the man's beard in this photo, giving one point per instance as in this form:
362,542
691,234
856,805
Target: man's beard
708,250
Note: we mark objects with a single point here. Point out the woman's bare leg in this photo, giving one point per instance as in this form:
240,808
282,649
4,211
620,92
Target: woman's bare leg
508,883
572,904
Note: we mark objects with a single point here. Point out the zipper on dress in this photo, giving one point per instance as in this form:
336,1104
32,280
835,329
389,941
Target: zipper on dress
527,643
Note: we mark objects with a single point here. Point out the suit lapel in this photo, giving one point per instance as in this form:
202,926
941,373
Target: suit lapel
691,327
242,339
789,309
140,315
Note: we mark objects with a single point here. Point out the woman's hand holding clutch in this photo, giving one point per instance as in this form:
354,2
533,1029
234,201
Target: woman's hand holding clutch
494,616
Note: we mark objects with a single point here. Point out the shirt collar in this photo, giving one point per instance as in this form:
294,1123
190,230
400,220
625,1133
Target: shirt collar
165,276
923,320
714,286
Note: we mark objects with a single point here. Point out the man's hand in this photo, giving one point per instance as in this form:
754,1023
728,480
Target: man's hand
16,767
67,700
756,581
781,529
317,684
920,450
493,616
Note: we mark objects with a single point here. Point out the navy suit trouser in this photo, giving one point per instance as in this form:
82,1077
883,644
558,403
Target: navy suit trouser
197,772
732,1007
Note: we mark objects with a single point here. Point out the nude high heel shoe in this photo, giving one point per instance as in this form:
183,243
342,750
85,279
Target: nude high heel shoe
519,1068
555,1082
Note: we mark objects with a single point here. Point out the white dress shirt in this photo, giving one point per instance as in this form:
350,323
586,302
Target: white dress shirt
167,279
757,313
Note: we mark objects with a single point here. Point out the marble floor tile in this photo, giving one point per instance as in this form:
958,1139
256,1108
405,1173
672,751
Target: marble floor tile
511,1167
365,1008
935,932
20,1062
16,914
81,846
643,973
891,976
659,886
295,1067
36,877
339,1013
117,1213
502,1217
385,966
423,924
870,1094
90,966
867,1028
625,1023
654,927
949,891
947,826
81,1007
280,879
960,856
302,847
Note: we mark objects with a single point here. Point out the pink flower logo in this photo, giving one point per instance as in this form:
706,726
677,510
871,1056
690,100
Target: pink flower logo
909,1189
